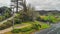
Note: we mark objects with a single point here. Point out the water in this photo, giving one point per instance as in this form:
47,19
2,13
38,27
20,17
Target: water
55,30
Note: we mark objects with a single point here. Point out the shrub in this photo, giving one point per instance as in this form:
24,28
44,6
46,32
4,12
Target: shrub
43,26
5,13
6,25
17,21
1,18
36,26
2,27
39,26
25,29
38,19
52,19
58,19
49,18
16,30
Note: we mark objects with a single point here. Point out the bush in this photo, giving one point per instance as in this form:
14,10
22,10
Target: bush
5,16
52,19
43,26
2,27
39,26
36,26
6,25
17,21
38,19
58,19
25,29
1,18
16,30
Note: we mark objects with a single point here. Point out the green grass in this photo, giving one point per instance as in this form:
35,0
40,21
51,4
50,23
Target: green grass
29,32
18,26
50,18
43,26
26,28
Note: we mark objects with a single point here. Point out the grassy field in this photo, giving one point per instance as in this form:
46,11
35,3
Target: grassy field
28,25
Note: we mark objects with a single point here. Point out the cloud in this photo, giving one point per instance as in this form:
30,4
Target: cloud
39,4
4,2
46,4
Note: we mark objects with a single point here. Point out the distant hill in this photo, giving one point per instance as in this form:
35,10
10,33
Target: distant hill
47,12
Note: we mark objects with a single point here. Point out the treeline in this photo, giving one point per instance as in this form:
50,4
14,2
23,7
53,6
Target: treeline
45,12
5,12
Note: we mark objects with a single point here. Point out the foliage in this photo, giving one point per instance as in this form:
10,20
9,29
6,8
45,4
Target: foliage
36,25
52,19
49,18
30,27
16,31
17,21
28,32
58,19
4,8
29,15
44,26
23,29
5,13
6,25
39,25
1,18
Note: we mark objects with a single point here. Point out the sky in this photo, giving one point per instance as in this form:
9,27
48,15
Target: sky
4,3
39,4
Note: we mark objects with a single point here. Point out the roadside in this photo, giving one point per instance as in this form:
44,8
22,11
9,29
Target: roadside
45,31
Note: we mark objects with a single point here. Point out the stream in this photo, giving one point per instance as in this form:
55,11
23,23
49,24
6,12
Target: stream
55,29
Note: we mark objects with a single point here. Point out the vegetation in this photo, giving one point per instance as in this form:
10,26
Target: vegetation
6,25
5,13
28,15
31,27
49,18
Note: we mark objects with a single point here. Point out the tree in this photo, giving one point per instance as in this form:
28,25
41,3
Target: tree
5,9
30,14
7,13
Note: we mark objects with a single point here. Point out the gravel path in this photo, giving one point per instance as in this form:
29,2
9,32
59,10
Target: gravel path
11,28
6,30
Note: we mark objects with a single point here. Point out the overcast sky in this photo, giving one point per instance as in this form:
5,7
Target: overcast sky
39,4
4,3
